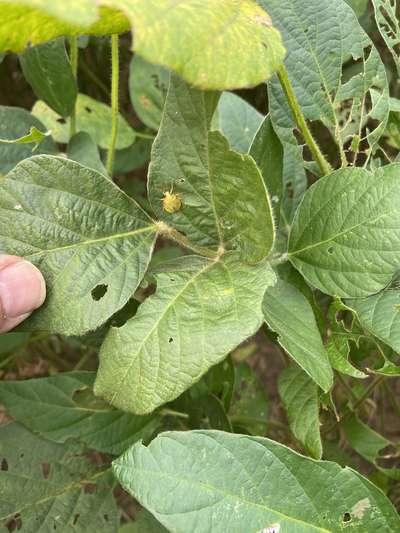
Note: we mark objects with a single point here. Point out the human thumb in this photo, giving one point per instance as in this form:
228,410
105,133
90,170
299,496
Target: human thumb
22,290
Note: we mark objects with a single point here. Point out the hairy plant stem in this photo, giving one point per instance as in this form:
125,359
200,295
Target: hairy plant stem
179,238
73,43
114,102
301,122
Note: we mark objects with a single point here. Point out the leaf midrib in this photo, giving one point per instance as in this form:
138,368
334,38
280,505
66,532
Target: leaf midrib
157,322
91,242
210,488
341,233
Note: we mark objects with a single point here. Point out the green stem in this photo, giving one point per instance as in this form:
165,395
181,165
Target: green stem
73,42
114,102
301,122
375,383
179,238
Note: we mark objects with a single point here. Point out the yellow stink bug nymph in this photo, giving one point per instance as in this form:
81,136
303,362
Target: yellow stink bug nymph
171,202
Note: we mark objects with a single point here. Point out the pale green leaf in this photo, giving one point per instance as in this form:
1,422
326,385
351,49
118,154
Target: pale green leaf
23,23
300,397
387,20
82,149
34,136
288,313
84,11
238,121
196,39
363,439
200,311
211,481
199,40
91,242
43,486
338,350
380,315
148,85
345,238
338,344
47,69
92,116
267,151
14,146
321,37
215,184
63,407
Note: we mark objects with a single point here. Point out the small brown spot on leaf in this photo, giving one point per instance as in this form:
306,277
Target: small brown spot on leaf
46,470
144,101
90,488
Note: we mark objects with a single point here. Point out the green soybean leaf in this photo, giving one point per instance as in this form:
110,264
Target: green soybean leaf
288,313
25,22
338,350
144,523
359,6
82,149
46,486
215,184
34,136
63,407
15,141
299,395
148,85
338,344
249,409
267,151
345,236
364,440
92,116
321,37
386,16
238,121
91,242
196,39
47,69
133,157
186,479
209,305
380,315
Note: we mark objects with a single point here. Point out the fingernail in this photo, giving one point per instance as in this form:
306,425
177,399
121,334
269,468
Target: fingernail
22,289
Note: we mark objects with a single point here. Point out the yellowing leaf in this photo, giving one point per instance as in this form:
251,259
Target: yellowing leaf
197,39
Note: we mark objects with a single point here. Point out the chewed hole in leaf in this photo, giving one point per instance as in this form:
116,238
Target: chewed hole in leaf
331,250
61,120
170,340
346,517
4,465
76,518
98,292
87,109
106,517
